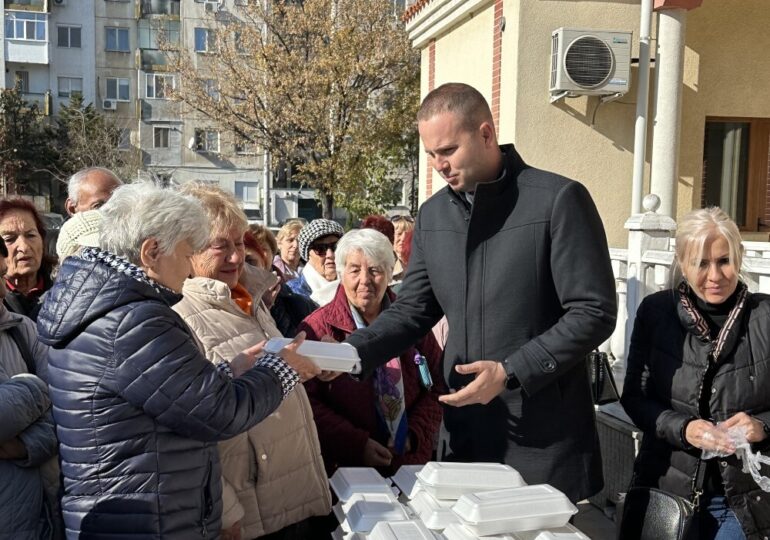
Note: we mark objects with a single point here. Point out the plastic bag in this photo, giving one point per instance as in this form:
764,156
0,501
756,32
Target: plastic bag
752,462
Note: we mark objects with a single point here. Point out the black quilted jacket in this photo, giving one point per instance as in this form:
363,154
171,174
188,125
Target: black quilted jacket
138,409
667,362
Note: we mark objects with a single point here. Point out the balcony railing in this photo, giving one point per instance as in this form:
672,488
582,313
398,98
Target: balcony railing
26,5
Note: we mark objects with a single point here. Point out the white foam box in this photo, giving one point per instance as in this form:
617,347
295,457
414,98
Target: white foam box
349,480
527,508
327,356
341,509
364,515
405,480
401,530
340,534
568,532
451,480
434,513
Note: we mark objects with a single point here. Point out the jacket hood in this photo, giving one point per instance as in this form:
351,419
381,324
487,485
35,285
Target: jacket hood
85,291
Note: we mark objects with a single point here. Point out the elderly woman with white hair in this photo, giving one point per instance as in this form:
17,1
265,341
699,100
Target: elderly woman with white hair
392,418
138,407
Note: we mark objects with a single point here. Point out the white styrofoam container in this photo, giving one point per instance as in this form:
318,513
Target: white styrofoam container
434,513
349,480
364,515
451,480
341,534
405,480
400,530
327,356
525,508
455,531
342,508
568,532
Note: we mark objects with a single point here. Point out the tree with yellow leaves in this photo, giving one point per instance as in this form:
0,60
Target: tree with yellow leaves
329,86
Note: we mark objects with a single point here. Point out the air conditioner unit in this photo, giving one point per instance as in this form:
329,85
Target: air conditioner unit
589,63
211,7
109,104
60,2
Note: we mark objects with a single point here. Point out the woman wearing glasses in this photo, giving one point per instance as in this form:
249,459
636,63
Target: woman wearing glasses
403,225
317,242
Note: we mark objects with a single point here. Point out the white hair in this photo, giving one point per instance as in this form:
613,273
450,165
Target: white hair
143,210
73,184
374,245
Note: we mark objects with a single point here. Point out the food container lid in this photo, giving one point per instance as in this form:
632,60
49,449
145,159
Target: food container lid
406,480
469,477
341,534
364,515
568,532
349,480
342,508
513,504
456,531
434,513
401,530
327,356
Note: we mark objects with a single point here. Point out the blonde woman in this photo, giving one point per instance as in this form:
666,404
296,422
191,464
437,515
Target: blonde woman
288,259
700,358
402,224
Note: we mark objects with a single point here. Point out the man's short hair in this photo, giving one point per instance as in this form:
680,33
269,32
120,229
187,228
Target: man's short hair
460,99
73,185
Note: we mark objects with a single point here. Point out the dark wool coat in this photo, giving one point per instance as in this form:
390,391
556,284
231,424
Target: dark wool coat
344,408
139,409
667,363
524,278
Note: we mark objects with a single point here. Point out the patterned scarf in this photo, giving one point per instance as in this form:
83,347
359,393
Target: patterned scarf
122,265
699,322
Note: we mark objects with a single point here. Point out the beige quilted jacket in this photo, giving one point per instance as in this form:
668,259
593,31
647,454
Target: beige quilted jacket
273,474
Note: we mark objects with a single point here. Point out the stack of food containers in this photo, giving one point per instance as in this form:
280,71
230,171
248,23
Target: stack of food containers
467,501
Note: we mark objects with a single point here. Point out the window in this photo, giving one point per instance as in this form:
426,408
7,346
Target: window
118,89
244,147
205,40
206,140
117,39
70,86
160,7
151,31
247,191
160,137
124,139
68,36
735,170
159,85
211,88
21,81
27,26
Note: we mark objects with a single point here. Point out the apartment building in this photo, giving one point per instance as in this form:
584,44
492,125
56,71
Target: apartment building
109,51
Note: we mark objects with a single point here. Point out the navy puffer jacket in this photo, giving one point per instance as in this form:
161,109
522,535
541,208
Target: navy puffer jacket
138,408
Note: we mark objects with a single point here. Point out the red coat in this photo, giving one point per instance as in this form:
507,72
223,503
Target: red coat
344,408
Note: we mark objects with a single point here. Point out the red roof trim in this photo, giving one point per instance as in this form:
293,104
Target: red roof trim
414,9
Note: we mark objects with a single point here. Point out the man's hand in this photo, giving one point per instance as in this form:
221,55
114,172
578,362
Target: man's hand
376,455
755,429
13,449
488,384
303,365
245,360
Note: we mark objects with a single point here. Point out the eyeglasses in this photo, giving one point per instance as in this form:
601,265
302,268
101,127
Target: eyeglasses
321,249
396,219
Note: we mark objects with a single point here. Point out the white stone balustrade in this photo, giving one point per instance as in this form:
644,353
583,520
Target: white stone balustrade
645,267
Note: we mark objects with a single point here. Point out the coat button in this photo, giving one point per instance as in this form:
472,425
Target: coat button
264,457
713,390
550,365
759,498
723,463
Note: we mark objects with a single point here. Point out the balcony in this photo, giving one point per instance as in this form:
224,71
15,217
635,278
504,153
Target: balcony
26,52
26,5
160,7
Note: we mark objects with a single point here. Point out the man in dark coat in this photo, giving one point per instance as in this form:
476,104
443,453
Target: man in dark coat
517,259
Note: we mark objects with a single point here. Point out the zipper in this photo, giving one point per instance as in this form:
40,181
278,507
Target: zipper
207,505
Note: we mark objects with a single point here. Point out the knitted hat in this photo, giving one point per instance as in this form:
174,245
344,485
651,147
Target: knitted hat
80,230
318,228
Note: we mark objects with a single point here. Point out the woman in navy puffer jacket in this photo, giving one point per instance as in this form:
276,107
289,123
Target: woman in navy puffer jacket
138,408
